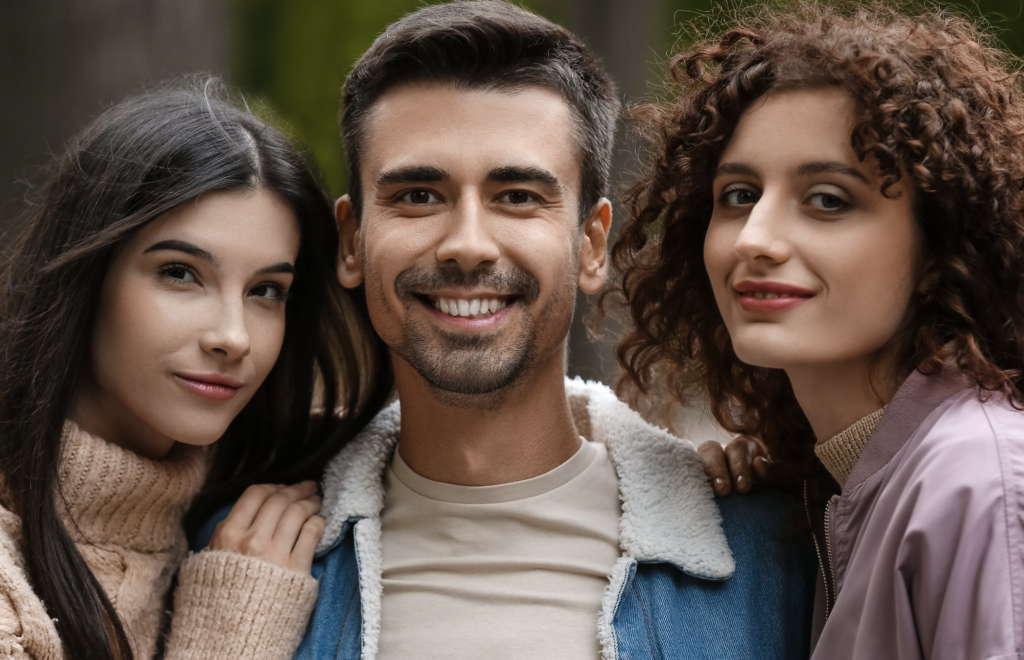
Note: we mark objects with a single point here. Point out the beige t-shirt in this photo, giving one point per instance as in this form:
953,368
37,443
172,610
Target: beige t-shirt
510,571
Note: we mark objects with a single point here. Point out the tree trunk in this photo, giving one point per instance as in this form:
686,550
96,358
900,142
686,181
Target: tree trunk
64,61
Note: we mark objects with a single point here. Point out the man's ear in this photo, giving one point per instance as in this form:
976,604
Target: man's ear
594,247
350,265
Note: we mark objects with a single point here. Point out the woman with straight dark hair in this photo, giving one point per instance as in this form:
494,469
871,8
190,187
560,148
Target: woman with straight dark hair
829,247
172,285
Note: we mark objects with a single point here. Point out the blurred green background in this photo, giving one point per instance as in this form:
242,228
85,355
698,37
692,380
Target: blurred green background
63,61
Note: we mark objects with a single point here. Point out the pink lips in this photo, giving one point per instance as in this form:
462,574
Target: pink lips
781,297
210,385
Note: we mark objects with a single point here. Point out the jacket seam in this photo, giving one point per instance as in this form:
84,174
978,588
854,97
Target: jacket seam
1008,521
647,622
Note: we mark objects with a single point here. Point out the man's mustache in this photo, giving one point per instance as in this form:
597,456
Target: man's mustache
418,280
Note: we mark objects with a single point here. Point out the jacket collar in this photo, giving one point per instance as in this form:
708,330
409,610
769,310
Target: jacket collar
668,510
918,396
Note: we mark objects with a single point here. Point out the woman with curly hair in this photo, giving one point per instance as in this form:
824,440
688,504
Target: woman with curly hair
830,247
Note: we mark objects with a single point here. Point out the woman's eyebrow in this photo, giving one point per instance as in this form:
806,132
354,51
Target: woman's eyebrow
734,168
283,267
830,167
187,248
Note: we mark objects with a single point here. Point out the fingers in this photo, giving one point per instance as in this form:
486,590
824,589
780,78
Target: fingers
715,466
762,469
289,526
274,506
248,505
739,454
270,522
301,557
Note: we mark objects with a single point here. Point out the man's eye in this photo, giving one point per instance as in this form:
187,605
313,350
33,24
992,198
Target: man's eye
518,197
420,197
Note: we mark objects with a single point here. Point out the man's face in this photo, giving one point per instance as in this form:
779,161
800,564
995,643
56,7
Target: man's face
469,241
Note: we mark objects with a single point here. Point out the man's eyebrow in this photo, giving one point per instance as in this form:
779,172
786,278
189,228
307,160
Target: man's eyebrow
830,167
413,174
283,267
513,174
182,246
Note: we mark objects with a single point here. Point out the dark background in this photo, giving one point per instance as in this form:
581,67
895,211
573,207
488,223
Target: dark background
63,61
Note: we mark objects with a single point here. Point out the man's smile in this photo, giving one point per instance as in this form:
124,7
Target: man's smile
475,307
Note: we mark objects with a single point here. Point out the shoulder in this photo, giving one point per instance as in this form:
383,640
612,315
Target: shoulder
767,525
972,442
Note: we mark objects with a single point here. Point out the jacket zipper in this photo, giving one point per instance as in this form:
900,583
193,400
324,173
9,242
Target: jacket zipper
825,565
828,552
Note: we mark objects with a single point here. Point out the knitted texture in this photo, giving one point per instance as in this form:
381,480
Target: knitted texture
124,512
840,452
231,606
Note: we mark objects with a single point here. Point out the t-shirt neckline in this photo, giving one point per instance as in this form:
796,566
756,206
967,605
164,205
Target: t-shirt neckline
501,493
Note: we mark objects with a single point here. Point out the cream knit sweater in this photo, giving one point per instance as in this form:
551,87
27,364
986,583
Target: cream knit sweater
127,513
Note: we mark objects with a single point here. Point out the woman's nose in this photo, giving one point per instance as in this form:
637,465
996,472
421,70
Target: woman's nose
228,334
763,234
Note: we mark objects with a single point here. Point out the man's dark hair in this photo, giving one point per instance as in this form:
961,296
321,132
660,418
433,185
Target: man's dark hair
486,45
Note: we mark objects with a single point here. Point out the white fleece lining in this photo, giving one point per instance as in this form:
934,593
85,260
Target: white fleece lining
353,482
609,604
668,509
369,558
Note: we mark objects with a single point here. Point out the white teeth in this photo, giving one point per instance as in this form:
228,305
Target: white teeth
469,307
765,296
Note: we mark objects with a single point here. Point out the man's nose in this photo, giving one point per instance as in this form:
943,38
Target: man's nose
469,239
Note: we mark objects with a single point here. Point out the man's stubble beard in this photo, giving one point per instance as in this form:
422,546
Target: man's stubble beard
473,371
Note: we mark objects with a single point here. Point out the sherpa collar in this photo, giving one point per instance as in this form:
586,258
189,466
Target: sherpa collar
668,510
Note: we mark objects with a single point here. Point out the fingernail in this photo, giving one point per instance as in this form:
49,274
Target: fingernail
739,480
719,483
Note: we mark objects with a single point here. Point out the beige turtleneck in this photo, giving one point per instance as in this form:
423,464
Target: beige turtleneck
840,452
124,512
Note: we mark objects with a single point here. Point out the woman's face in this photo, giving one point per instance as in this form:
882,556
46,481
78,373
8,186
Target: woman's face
810,264
190,321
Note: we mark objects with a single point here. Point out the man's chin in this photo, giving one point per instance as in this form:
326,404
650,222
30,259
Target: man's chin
470,372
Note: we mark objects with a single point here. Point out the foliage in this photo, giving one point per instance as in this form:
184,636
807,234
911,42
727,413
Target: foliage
290,58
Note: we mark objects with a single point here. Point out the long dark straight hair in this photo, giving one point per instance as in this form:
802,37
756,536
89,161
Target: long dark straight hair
138,160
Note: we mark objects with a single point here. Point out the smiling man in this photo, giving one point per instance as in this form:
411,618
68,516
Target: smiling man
499,510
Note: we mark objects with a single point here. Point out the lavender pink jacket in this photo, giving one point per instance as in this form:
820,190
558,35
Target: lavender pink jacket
927,538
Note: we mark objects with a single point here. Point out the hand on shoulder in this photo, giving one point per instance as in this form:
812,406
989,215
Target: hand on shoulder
735,465
276,523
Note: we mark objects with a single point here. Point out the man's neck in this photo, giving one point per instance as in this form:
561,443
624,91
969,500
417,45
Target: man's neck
517,434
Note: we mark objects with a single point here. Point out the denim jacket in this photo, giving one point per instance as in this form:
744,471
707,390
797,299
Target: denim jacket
695,579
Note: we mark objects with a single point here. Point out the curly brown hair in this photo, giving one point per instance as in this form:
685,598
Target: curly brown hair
936,102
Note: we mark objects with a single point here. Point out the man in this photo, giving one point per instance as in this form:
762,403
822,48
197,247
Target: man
471,520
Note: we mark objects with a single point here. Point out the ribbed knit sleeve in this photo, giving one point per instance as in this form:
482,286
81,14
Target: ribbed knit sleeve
228,605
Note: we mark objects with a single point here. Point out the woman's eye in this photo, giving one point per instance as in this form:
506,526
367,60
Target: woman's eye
828,202
739,197
269,291
179,273
420,197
